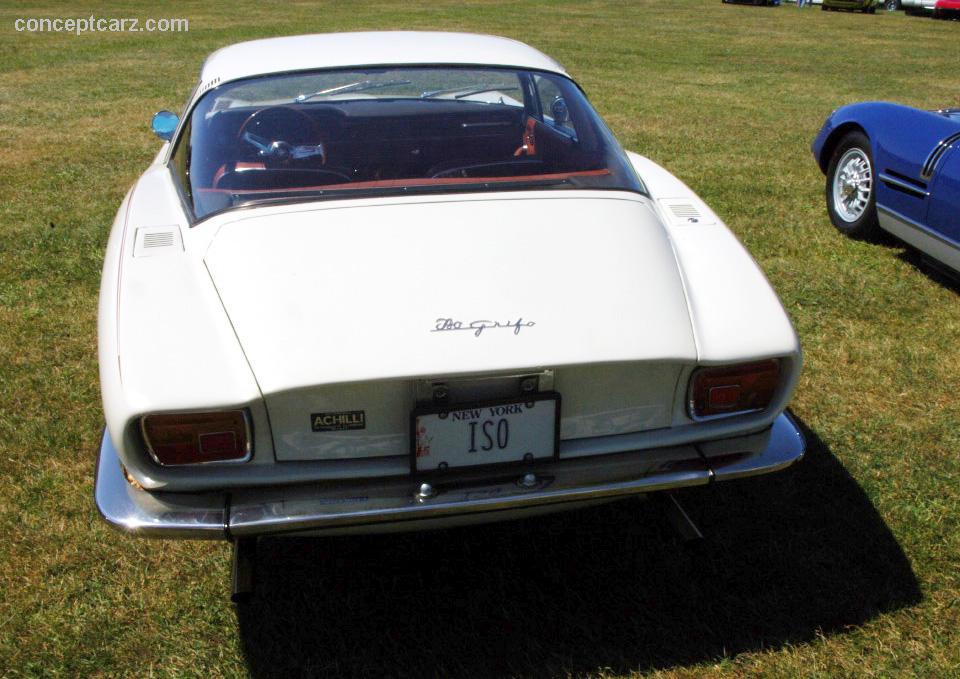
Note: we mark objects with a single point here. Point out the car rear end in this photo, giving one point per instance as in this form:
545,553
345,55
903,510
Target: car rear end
466,460
389,298
637,366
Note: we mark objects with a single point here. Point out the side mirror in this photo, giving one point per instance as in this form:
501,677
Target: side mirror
164,124
559,112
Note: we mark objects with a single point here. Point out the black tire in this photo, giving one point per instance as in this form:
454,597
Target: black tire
891,5
865,226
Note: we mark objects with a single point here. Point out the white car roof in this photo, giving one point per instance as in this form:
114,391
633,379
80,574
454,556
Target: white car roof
333,50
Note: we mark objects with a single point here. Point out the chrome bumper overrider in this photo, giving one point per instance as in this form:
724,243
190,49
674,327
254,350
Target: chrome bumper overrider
349,505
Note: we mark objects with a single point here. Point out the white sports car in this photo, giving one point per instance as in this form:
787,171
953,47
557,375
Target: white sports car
376,281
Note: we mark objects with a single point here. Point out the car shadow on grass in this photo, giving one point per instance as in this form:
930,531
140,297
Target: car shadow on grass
939,273
786,557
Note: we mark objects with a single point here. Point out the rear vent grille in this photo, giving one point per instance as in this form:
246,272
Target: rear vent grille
687,213
160,240
683,212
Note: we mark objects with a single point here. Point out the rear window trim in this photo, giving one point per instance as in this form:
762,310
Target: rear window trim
466,195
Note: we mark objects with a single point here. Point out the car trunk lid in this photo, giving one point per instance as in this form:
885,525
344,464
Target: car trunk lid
344,299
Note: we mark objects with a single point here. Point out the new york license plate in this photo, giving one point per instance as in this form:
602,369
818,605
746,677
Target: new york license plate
491,433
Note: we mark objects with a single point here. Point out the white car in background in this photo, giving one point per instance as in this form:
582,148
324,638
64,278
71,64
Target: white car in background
382,281
917,6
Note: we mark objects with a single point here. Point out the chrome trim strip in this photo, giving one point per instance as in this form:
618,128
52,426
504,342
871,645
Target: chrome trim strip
304,508
138,511
304,514
787,445
916,226
932,243
930,165
904,186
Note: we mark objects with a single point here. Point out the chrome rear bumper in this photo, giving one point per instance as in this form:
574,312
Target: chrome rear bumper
376,504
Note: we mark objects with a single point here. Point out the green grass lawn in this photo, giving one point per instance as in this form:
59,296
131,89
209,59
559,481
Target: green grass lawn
846,565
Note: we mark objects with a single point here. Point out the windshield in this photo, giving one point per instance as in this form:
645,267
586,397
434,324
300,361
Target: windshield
360,132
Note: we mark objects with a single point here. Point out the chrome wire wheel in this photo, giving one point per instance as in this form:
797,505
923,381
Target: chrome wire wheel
852,185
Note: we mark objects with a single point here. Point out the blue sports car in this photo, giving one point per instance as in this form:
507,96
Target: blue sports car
894,168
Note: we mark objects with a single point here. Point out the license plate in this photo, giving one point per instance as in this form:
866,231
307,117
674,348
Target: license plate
488,433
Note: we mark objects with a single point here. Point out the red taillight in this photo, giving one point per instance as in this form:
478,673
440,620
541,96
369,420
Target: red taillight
191,438
733,388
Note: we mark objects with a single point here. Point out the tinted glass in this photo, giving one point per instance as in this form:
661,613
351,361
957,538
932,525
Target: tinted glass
352,133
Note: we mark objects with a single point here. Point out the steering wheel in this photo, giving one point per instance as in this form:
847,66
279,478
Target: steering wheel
281,134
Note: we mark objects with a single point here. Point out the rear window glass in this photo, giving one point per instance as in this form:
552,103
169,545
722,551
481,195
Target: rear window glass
352,133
